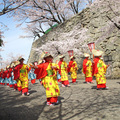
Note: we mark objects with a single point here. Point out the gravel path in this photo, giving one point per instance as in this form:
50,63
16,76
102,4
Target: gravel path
78,102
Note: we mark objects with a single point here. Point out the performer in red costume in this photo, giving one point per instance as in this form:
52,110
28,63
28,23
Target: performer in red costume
72,68
63,71
87,68
22,76
45,72
99,70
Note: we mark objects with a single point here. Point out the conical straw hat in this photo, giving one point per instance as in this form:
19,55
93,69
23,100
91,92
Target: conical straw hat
42,55
86,55
47,55
20,58
72,57
16,63
97,53
40,61
61,56
8,66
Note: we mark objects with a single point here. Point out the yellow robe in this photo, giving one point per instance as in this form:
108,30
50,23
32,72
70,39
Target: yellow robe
23,79
50,83
64,74
73,70
89,69
55,71
100,76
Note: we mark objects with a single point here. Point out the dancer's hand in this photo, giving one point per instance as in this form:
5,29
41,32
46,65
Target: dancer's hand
30,65
33,66
108,65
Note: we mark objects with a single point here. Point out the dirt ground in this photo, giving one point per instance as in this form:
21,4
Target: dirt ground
79,102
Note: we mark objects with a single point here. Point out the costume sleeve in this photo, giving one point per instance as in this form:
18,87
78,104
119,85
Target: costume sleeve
104,66
84,66
76,65
30,68
65,64
56,65
16,72
26,66
41,71
37,69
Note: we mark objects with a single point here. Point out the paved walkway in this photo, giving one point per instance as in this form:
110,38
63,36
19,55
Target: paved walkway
78,102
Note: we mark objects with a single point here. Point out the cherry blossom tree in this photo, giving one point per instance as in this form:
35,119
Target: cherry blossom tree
89,2
47,13
41,13
11,57
3,28
74,5
33,30
1,41
7,6
62,46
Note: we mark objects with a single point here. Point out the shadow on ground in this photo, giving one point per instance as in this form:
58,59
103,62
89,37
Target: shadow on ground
78,102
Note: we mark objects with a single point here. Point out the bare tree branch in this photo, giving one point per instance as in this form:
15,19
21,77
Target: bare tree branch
7,8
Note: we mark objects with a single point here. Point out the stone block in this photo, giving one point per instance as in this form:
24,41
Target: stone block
116,64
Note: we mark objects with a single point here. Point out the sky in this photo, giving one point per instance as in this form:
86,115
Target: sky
13,43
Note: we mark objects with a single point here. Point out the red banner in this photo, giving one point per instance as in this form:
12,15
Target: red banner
70,52
91,46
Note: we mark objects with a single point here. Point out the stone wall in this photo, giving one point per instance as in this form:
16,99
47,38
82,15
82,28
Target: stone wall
99,23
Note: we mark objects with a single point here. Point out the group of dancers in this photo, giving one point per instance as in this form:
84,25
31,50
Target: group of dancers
18,74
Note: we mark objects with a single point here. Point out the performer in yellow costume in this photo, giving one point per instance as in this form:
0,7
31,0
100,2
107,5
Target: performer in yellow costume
72,68
22,80
47,74
55,70
87,68
63,71
99,69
